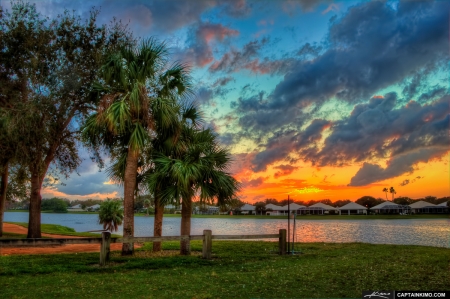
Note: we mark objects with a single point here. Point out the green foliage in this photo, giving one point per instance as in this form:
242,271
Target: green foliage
110,214
55,204
368,201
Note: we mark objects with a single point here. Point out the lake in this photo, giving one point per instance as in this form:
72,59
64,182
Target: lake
427,232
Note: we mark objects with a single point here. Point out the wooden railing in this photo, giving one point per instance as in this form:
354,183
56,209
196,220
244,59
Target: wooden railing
106,240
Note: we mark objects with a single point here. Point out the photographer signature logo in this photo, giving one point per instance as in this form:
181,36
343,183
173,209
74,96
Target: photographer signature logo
384,295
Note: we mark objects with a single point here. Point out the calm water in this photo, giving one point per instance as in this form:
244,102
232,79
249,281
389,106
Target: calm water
429,232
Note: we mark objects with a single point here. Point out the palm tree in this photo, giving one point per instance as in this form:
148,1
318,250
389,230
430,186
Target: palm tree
110,215
171,143
392,191
199,170
386,190
138,93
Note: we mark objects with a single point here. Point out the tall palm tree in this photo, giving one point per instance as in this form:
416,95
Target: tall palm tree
393,192
110,214
171,144
138,93
385,190
199,170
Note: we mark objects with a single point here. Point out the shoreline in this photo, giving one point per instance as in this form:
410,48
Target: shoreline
299,218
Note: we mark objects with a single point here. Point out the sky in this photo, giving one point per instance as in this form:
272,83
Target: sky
314,99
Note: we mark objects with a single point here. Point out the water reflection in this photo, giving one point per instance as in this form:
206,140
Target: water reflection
431,232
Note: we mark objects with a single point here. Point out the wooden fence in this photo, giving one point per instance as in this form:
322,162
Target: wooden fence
106,240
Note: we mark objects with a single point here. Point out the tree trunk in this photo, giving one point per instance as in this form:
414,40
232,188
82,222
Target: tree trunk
128,200
186,212
157,226
3,188
34,220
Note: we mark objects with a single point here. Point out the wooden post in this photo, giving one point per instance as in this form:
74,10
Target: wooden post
207,244
104,248
282,242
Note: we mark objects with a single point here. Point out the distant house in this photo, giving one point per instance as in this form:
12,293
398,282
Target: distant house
75,208
423,207
94,208
317,209
389,207
206,210
247,209
274,210
352,208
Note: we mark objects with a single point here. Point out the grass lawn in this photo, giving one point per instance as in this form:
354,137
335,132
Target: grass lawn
237,270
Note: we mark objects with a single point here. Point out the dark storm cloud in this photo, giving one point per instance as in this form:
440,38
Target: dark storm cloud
283,170
282,144
371,173
375,129
252,183
371,47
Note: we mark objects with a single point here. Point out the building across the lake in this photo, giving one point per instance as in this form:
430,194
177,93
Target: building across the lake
247,209
423,207
317,209
352,208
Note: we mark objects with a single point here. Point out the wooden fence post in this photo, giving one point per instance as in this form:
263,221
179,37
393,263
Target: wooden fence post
104,248
207,244
282,242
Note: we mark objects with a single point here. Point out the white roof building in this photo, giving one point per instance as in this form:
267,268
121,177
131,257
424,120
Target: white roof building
94,207
353,207
384,204
292,207
247,207
443,204
274,207
322,206
78,206
421,204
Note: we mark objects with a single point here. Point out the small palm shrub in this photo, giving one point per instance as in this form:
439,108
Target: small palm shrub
110,214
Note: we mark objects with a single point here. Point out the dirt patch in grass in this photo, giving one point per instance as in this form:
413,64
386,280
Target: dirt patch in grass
70,248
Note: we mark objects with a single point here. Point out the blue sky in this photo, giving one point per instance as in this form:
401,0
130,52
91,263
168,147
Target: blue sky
316,99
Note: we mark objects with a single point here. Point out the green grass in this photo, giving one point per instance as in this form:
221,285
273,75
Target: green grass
237,270
56,229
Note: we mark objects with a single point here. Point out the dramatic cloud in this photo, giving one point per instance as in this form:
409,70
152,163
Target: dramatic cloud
404,183
248,59
371,47
371,173
199,51
283,170
375,130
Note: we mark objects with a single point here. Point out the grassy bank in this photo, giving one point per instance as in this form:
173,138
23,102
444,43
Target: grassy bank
53,229
238,270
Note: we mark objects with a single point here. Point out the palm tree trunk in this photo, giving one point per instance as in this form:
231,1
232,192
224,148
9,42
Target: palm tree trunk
157,226
186,212
128,200
3,188
34,215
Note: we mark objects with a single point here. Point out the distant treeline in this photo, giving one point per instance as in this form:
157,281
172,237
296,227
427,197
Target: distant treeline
61,204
